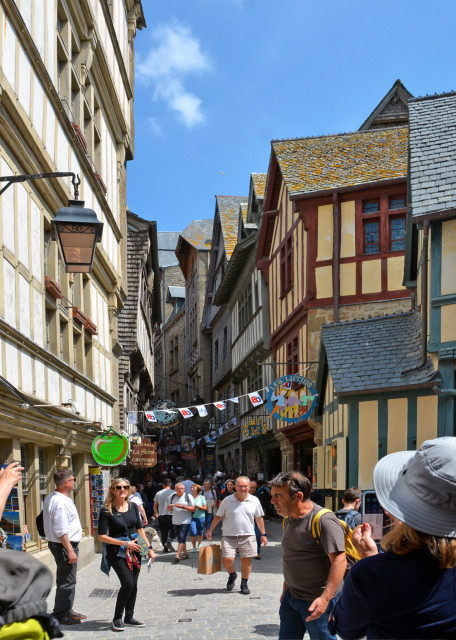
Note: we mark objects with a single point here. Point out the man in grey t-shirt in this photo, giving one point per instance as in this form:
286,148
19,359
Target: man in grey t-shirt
313,570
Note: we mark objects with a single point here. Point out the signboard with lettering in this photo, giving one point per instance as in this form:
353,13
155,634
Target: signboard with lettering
290,399
143,455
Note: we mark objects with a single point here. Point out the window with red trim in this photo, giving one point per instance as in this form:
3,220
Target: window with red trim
292,356
371,236
383,224
286,266
397,233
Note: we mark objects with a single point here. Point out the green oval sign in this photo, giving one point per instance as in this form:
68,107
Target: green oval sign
110,449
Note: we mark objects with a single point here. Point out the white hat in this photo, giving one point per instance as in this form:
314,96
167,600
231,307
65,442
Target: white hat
419,487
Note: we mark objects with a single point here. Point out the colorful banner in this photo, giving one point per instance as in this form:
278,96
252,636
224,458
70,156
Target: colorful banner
202,411
255,399
186,413
150,415
220,405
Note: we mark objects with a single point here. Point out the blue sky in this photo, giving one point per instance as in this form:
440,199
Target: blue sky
217,80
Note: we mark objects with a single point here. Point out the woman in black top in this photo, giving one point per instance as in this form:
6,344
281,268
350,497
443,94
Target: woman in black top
119,522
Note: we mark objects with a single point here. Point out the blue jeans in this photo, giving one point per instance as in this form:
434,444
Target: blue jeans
293,613
208,520
181,532
196,527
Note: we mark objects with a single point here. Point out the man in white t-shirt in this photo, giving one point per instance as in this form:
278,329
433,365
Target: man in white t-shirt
239,512
63,531
136,498
182,507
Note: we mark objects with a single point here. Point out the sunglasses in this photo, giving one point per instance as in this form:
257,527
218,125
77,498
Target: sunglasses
121,487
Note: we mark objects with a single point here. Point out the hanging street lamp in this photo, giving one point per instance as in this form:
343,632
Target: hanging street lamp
75,228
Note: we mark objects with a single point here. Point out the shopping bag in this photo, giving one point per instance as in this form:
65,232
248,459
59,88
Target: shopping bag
209,559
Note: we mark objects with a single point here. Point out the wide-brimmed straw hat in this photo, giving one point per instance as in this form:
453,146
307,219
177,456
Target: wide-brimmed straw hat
419,487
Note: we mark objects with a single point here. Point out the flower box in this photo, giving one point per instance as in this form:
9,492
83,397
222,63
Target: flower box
91,328
53,287
79,316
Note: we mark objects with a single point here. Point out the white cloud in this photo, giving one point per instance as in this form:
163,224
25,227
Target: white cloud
174,56
154,126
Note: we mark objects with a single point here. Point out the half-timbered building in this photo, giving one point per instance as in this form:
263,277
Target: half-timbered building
331,246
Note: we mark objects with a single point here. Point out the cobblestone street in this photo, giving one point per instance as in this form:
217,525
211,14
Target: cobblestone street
175,602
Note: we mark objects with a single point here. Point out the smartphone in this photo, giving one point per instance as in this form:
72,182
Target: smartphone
373,513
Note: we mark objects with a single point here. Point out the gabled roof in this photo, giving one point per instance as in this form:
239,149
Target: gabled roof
314,165
228,209
199,234
369,355
391,111
433,154
259,184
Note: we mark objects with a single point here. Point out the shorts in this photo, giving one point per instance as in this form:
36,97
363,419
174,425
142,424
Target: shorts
245,545
196,526
181,532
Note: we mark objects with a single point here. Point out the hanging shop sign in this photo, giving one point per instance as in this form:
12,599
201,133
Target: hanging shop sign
143,455
290,399
188,448
254,430
110,448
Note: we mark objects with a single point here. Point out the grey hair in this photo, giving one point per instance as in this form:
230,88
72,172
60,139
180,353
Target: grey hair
295,482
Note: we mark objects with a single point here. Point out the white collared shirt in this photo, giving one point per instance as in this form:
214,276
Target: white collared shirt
60,517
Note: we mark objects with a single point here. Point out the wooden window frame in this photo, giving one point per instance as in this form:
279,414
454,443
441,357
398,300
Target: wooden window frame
286,265
390,239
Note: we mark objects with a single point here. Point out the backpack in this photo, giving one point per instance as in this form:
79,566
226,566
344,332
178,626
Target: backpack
348,517
351,552
40,524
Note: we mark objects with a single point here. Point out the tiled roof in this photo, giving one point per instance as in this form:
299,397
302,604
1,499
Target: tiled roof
228,208
311,165
199,234
432,154
259,182
370,354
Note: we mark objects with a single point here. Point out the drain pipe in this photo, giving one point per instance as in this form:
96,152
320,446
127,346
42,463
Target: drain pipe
336,255
424,299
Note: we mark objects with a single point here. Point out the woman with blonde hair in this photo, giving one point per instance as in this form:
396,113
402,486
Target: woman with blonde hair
119,525
410,590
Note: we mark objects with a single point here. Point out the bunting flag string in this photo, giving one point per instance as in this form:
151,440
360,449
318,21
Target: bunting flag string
254,397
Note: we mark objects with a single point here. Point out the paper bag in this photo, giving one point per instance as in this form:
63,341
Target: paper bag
209,560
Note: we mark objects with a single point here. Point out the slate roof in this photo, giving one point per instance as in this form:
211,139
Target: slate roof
176,292
167,242
369,355
312,165
432,154
259,182
199,234
228,208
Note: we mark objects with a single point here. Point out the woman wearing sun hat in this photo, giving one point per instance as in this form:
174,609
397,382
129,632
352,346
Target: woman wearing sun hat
410,590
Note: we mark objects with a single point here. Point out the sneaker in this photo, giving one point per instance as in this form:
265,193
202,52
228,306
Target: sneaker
170,547
68,620
230,583
76,616
117,625
194,550
198,547
244,589
166,549
133,623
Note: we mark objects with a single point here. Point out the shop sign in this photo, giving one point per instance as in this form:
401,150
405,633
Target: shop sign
144,455
254,430
228,438
188,448
110,448
290,399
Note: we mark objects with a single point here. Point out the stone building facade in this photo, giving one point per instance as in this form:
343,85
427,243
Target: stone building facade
66,105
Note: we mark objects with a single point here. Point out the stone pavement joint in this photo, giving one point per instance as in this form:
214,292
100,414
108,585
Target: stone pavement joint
175,602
